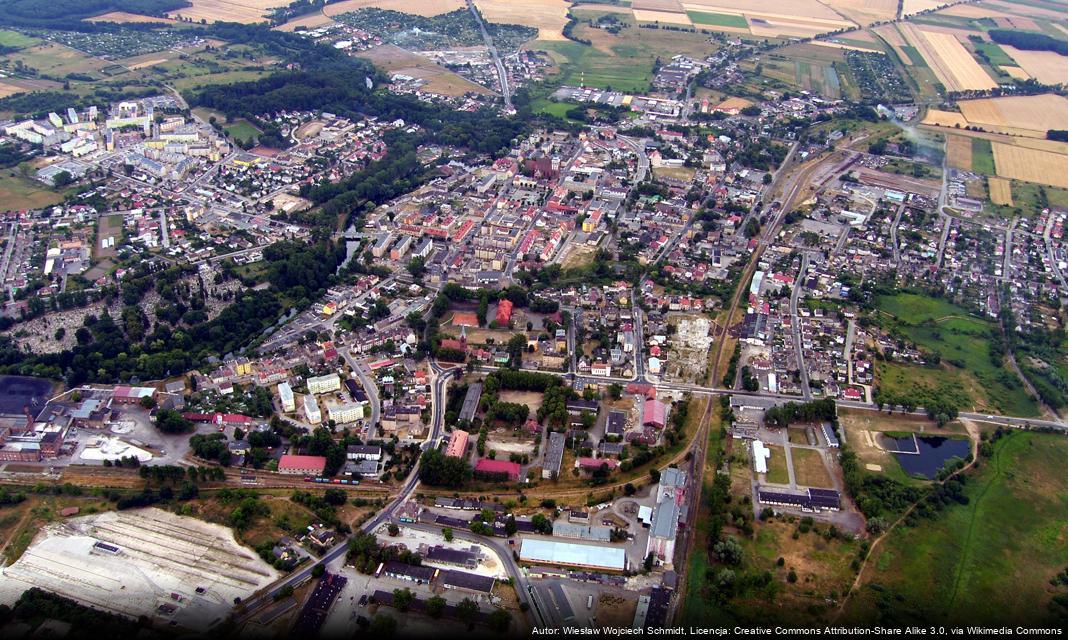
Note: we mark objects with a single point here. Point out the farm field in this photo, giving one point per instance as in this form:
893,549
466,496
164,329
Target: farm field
416,7
802,18
669,17
955,567
123,17
1017,114
909,7
440,80
1048,67
967,376
547,16
959,152
982,156
1031,165
56,60
705,18
243,11
1000,191
954,66
16,40
865,12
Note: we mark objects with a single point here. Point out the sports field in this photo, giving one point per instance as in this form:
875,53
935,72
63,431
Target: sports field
989,561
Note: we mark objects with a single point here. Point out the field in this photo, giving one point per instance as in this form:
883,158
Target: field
17,193
241,129
982,156
862,427
767,18
123,17
1031,165
1017,115
954,66
809,67
865,12
243,11
439,80
959,152
547,16
987,562
809,470
1000,191
16,40
416,7
893,37
910,7
777,471
703,18
56,60
1047,66
967,377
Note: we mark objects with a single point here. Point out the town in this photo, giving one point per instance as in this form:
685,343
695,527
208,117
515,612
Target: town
354,320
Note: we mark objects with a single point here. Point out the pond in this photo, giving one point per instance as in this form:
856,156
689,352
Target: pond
925,455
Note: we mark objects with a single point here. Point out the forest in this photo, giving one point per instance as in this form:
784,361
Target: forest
69,14
1029,40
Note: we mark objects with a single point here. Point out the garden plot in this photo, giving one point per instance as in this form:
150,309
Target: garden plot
145,560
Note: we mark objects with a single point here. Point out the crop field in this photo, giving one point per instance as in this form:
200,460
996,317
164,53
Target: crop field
123,17
705,18
865,12
547,16
1000,191
959,152
56,60
416,7
982,156
243,11
801,18
958,567
910,7
1031,165
16,40
1027,113
954,66
1048,66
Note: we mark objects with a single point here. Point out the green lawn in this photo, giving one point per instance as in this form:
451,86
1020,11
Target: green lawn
988,562
717,19
982,156
777,471
241,130
558,109
16,40
912,308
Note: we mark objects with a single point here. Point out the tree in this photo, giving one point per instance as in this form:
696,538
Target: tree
500,620
728,551
402,599
446,532
148,402
383,627
417,267
467,610
170,421
394,530
62,179
435,607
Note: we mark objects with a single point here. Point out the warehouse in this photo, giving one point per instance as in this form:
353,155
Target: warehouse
571,554
470,406
760,457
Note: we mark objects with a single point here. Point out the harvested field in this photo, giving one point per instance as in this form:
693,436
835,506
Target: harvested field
1017,114
1000,191
843,45
1040,144
1031,165
865,12
312,21
1048,66
910,7
243,11
893,37
954,66
959,152
8,89
971,11
809,470
547,16
669,17
1017,73
671,6
440,80
148,554
1026,9
417,7
806,18
122,17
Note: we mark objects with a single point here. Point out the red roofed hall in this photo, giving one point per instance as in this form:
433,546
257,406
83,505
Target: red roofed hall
457,444
654,414
302,465
492,469
504,312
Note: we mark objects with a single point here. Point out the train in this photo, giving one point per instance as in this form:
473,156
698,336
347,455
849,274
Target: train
319,480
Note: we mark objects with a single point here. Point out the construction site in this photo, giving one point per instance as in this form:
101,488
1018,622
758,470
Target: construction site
188,573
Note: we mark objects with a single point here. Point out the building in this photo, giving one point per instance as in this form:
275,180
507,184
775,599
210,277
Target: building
504,312
592,533
471,400
497,469
285,395
302,465
662,531
131,395
463,581
760,457
311,410
812,500
652,609
457,446
829,435
554,456
454,557
363,452
324,384
654,414
615,425
344,413
361,468
408,572
573,554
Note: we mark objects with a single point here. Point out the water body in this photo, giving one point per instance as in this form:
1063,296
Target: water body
932,453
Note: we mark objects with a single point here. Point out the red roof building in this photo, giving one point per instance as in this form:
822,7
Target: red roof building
654,414
591,464
302,465
457,444
492,468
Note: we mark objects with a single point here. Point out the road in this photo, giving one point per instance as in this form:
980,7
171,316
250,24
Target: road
795,324
893,234
369,386
506,91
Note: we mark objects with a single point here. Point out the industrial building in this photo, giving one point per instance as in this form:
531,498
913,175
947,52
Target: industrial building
302,465
573,554
554,456
760,457
471,400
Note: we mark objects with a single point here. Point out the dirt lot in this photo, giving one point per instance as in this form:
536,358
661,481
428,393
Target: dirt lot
809,469
532,399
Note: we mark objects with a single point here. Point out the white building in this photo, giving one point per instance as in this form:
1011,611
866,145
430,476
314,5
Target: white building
344,413
760,456
311,410
324,384
285,394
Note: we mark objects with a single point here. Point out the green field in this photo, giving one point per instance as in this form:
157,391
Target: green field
995,54
982,156
558,109
987,562
717,19
16,40
18,192
241,130
961,340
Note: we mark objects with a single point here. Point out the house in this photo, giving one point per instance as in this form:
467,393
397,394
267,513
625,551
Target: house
302,465
363,452
457,446
131,395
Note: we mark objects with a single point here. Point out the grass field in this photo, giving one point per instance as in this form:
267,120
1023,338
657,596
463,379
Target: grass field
17,193
982,156
717,19
241,129
962,341
16,40
987,562
809,470
777,471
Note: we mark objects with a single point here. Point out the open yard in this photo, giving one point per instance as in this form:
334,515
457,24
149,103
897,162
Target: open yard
777,471
809,470
989,561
